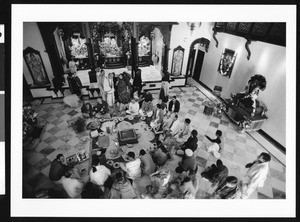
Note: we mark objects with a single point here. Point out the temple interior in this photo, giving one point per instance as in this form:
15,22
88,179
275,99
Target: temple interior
227,76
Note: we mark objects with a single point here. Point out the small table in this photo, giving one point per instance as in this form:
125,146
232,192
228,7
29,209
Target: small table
208,108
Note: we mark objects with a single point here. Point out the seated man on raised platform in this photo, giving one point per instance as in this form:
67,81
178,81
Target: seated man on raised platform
101,108
133,108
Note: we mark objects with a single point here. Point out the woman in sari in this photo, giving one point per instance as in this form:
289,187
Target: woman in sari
123,90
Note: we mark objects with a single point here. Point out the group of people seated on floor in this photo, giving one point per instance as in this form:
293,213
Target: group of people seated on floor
151,174
148,176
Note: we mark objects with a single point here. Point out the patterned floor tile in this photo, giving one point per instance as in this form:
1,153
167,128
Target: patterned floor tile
36,180
239,148
279,175
213,124
278,184
46,170
196,105
277,194
266,190
42,145
42,164
227,155
58,143
73,141
201,161
240,139
54,130
192,112
262,196
34,157
47,150
251,149
57,121
240,152
30,173
50,139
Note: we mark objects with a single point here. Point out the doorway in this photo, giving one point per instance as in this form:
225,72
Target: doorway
196,57
198,65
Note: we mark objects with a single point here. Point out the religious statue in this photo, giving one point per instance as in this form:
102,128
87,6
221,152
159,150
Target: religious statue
248,98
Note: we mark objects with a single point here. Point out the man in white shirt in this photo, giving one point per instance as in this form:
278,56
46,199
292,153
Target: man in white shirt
133,108
184,132
256,175
99,175
108,87
133,167
72,186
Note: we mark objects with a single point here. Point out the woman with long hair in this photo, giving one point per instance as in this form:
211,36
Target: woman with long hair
123,90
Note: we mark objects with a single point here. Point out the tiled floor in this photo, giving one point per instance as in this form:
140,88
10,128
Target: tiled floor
239,148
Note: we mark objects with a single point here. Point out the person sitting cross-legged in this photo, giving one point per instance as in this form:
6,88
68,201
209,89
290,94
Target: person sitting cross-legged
147,108
158,118
100,176
229,189
184,132
188,162
58,169
191,142
87,110
216,173
160,155
101,108
147,164
133,108
133,167
174,106
163,105
73,186
122,188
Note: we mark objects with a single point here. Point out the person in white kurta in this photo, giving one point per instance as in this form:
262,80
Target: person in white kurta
100,75
108,87
256,175
185,131
133,108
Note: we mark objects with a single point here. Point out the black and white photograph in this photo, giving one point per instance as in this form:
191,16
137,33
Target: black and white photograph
147,113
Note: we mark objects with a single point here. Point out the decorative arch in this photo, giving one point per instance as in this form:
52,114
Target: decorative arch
203,42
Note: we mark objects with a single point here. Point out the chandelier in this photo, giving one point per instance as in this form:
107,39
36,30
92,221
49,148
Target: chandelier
193,25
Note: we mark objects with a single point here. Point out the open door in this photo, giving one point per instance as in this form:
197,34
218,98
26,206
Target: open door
198,65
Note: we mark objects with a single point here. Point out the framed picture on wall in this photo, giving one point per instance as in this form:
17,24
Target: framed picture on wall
227,62
177,61
36,66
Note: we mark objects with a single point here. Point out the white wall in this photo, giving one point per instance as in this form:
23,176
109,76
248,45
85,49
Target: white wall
266,59
32,38
181,35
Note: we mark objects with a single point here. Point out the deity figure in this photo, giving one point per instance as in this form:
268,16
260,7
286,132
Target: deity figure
248,98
